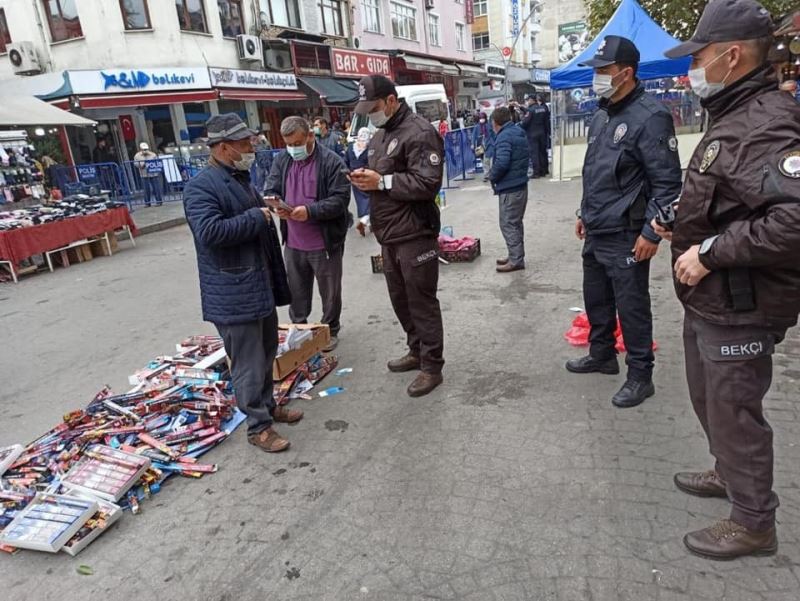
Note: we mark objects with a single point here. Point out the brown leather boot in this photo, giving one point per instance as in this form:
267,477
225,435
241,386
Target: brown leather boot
728,540
502,261
701,484
407,363
282,415
509,267
269,440
424,383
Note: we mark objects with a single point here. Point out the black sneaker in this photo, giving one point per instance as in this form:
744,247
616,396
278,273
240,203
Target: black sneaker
633,393
589,365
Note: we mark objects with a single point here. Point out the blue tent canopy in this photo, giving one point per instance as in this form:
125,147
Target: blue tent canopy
631,21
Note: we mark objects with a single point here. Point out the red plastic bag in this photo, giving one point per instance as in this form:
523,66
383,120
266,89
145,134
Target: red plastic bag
578,334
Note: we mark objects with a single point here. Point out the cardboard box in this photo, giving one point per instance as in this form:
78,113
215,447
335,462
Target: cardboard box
288,362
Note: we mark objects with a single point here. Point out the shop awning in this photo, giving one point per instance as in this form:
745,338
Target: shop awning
262,95
450,69
29,111
419,63
471,71
333,92
121,100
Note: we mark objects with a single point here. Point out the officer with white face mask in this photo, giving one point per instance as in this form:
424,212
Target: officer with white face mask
630,171
735,247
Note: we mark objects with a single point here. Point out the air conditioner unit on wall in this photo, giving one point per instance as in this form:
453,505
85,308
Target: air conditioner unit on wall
23,57
249,49
278,59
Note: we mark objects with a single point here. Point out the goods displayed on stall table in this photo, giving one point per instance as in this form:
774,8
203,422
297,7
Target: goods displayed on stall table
74,229
21,177
66,488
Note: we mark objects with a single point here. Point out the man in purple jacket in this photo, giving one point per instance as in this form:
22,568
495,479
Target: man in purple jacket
311,180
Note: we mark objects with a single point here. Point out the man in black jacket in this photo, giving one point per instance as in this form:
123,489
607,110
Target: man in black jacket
311,180
631,170
403,178
537,127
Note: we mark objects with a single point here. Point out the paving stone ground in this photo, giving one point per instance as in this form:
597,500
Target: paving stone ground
513,481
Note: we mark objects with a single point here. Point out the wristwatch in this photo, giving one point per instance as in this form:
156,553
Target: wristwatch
385,183
706,245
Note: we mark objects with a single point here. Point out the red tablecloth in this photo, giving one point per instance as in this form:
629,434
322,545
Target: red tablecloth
16,245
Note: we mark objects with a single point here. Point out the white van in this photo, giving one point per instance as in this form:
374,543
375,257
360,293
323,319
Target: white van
428,100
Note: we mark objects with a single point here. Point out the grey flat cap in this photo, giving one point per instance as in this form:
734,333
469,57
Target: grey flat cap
227,128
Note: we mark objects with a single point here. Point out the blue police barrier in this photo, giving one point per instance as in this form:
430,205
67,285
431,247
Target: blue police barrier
459,155
93,178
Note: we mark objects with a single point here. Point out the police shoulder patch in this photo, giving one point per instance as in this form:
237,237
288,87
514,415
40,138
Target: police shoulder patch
370,152
392,145
435,159
620,132
709,156
672,143
789,164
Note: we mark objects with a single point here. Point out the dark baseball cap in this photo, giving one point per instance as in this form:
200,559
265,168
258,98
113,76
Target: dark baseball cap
227,127
614,49
726,21
371,89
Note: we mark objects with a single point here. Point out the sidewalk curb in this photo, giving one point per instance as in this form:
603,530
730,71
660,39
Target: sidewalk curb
160,226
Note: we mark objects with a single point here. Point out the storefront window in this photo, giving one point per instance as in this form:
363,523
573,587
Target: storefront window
230,15
332,21
371,15
284,13
5,36
63,20
192,15
404,21
135,14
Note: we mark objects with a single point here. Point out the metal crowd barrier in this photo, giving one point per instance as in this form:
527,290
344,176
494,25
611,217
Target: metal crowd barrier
459,155
127,182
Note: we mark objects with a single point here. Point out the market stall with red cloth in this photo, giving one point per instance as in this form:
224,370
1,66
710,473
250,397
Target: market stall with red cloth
19,244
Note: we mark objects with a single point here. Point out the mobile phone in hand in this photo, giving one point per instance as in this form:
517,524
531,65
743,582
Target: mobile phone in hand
275,202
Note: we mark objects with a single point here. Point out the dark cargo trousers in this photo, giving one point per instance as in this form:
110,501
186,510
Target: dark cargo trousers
251,347
412,277
729,370
613,282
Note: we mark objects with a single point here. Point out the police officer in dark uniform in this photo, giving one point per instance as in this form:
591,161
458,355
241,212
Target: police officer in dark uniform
404,176
630,171
537,127
735,248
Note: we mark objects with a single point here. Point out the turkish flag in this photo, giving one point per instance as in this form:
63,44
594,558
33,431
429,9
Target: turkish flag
128,130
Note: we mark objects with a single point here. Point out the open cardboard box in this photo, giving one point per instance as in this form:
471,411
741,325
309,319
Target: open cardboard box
288,362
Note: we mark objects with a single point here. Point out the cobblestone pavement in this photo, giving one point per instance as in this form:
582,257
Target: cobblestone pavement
513,481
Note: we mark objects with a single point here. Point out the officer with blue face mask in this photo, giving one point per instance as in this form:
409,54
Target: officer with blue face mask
630,171
735,249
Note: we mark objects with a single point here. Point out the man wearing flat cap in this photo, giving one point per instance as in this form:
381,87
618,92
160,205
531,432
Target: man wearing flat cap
735,250
403,177
631,170
242,276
